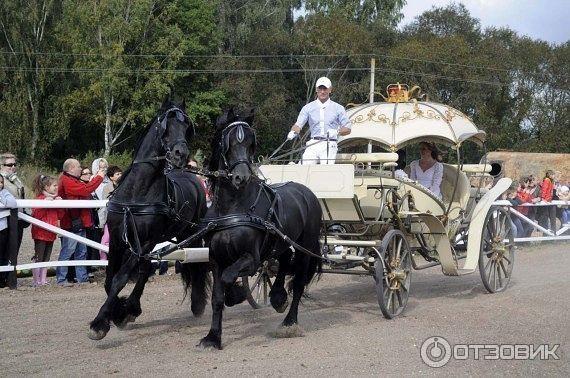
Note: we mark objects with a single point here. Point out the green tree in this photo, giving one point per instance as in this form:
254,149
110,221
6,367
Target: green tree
128,55
26,32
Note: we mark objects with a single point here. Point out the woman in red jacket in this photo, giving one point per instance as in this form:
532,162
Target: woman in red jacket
546,193
45,188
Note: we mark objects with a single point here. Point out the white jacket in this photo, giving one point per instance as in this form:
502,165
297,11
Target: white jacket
8,200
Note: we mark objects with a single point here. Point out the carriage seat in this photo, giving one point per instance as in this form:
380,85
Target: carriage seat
462,192
461,197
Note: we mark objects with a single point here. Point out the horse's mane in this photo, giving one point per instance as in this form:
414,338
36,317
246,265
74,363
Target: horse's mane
166,105
214,161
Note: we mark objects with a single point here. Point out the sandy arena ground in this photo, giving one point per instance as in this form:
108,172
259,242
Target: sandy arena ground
44,331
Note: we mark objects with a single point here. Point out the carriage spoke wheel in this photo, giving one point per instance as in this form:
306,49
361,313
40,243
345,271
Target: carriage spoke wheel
393,274
259,285
497,254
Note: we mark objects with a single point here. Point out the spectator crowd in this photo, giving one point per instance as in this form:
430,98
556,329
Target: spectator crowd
76,182
531,190
100,180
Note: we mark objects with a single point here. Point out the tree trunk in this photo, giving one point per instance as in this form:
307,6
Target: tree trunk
33,105
108,124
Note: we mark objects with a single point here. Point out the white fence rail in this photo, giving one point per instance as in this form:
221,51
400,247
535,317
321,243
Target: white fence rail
56,204
93,204
63,204
560,234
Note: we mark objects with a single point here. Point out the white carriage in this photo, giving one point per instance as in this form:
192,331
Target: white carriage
378,224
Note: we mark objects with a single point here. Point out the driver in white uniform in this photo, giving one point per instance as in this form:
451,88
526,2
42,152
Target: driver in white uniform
327,120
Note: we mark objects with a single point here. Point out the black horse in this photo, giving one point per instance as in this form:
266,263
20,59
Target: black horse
240,241
154,202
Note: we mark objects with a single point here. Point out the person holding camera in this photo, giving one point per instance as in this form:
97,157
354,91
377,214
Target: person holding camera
75,220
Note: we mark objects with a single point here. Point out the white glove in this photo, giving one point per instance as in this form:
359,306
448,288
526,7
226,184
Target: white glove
292,135
333,134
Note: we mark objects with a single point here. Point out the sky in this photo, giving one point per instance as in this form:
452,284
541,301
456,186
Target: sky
547,20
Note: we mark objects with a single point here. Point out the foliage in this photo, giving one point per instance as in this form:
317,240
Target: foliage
121,160
87,75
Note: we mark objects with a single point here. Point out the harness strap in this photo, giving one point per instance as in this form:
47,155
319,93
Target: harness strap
221,173
153,208
128,216
231,221
150,160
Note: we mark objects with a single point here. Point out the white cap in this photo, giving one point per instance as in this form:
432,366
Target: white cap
323,81
564,189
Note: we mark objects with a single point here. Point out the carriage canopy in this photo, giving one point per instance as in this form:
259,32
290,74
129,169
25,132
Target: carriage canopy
394,125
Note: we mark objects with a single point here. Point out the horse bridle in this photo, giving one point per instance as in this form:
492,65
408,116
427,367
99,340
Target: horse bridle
160,127
239,126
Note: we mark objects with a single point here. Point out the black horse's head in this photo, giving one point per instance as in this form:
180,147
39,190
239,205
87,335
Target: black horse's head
173,129
235,145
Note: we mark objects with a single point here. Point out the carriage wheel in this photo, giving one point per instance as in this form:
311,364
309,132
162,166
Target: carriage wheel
261,284
497,254
393,274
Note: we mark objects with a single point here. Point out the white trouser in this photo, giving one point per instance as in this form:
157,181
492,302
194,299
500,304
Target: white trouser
319,151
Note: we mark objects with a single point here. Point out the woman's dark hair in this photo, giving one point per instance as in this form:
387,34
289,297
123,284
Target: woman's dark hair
401,159
550,174
112,170
435,152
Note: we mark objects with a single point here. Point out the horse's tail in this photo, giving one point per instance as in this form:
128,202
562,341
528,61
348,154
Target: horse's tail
315,267
197,281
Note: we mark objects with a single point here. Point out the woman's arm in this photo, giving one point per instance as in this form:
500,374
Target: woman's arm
7,199
437,178
413,170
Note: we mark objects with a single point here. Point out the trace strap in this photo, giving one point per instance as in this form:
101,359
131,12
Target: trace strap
231,221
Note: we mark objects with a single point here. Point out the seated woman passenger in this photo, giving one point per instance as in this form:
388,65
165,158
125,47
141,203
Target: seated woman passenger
428,171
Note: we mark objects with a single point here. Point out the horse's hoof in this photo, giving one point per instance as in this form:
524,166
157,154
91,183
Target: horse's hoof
96,335
282,308
285,332
127,320
234,295
210,343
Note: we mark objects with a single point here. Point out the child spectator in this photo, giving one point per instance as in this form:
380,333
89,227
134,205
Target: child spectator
511,196
547,214
524,195
564,195
8,200
193,165
114,173
45,188
533,190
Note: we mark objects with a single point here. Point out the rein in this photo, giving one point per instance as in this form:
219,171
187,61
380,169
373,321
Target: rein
288,153
270,224
267,224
